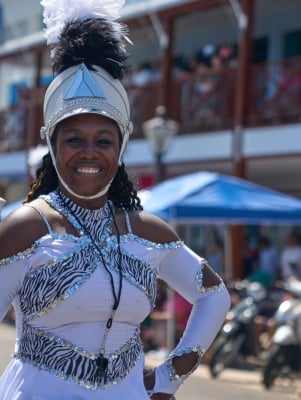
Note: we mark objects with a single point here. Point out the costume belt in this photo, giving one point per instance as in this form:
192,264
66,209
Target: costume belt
63,359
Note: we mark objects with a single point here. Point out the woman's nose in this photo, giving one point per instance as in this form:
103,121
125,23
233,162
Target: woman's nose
89,148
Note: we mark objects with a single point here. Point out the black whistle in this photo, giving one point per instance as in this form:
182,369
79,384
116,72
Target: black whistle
102,366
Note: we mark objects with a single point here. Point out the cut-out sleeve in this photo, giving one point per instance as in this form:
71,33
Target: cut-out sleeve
192,277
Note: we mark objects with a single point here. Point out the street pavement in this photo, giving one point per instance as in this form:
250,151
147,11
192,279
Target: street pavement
233,384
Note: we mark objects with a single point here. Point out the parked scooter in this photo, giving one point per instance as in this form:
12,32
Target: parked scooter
284,359
238,336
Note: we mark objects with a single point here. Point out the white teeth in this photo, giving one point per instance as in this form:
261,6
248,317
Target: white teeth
88,170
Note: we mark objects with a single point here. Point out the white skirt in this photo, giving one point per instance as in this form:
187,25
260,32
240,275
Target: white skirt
21,381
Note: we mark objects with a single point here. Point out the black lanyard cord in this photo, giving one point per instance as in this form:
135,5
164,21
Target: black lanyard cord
116,296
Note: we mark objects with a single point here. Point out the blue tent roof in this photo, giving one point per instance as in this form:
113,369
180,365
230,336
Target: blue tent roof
205,197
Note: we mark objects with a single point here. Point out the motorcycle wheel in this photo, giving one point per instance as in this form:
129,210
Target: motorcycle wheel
274,365
224,353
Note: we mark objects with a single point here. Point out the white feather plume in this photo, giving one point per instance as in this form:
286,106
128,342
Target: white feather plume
58,13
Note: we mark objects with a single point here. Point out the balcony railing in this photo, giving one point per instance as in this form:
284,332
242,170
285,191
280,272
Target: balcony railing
198,106
273,98
275,93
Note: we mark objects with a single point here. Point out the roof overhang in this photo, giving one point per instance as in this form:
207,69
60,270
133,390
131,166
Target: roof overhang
35,41
134,15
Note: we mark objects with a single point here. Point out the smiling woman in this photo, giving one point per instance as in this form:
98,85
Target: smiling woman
80,259
87,148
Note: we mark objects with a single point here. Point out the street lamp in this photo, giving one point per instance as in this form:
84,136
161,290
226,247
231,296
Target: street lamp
159,131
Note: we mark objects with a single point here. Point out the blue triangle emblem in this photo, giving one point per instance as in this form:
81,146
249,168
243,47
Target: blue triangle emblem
83,85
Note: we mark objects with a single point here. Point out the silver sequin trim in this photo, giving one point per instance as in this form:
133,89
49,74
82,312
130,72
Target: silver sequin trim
63,359
173,376
100,103
199,280
163,246
22,255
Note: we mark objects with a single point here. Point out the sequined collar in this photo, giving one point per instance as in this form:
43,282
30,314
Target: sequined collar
98,221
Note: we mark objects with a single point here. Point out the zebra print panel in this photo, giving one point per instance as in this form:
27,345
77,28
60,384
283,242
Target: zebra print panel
63,359
44,288
47,285
135,271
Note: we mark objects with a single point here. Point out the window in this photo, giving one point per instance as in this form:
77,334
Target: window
260,49
292,44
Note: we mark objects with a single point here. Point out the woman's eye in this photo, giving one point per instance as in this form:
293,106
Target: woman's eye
74,139
103,141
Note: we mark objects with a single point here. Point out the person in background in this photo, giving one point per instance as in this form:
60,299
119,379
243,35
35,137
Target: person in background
182,310
175,310
290,258
267,271
249,256
34,160
82,268
226,54
215,257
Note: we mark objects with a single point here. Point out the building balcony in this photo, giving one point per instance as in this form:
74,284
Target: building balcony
203,105
273,95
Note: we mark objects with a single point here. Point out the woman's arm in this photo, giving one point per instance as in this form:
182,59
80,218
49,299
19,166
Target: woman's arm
18,233
19,230
192,277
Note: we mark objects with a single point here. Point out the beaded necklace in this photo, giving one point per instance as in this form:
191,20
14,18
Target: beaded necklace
101,360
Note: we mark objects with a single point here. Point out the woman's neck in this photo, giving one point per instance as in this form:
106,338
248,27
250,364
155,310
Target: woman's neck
92,204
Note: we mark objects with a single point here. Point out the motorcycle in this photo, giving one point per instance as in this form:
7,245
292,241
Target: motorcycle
284,359
237,336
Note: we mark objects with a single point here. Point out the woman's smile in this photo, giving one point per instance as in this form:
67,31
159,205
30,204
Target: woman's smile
88,170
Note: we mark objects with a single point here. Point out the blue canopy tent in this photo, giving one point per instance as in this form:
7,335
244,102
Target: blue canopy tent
206,197
215,199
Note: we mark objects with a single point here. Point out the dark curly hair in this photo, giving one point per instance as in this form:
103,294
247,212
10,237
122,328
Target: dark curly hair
93,42
121,192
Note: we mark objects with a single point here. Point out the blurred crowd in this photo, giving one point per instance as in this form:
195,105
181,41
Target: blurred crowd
267,264
203,64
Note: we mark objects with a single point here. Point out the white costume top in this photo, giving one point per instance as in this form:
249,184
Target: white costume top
62,296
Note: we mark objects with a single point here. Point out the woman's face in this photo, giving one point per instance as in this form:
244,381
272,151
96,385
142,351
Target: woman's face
87,149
